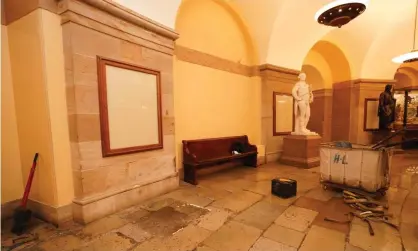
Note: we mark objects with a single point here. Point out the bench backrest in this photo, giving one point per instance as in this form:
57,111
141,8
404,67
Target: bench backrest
205,149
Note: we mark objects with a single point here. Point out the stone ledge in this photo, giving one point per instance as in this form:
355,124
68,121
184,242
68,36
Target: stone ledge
90,210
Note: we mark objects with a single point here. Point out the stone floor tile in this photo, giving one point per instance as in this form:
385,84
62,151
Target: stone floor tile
211,193
62,243
232,185
385,238
260,215
204,248
409,216
320,194
164,222
135,215
395,195
189,197
134,232
308,203
284,235
275,200
334,209
110,241
185,239
45,231
409,234
190,225
158,203
103,225
296,218
319,238
264,244
411,203
233,236
349,247
238,201
214,219
260,187
260,176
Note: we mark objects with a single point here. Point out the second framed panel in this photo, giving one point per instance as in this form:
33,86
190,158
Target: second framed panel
283,116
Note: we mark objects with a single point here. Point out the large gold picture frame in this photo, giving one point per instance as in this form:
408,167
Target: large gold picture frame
130,108
283,114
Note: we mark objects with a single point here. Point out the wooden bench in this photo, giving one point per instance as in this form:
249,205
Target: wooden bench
204,153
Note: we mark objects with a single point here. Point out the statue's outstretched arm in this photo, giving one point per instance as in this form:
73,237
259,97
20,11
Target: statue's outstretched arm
295,92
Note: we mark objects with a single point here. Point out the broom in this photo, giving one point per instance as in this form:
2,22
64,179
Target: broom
22,215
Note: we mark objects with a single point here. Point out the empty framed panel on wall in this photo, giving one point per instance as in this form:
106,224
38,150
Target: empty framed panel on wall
283,116
130,108
371,119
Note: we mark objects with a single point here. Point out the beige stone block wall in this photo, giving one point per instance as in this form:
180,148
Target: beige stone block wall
106,185
274,79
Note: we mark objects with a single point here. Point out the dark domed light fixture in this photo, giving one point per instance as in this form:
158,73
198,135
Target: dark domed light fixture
340,12
413,55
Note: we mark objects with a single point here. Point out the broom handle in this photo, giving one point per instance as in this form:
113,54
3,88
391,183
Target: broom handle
29,182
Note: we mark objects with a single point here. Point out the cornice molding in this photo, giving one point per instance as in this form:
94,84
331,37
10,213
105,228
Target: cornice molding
122,13
275,68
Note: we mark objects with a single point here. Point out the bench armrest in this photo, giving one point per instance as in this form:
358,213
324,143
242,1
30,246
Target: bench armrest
252,148
188,156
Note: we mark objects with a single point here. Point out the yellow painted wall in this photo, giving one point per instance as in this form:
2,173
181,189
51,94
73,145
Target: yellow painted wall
36,55
212,27
209,102
55,83
316,60
33,124
11,172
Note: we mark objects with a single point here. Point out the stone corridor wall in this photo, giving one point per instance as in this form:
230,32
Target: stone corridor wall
102,28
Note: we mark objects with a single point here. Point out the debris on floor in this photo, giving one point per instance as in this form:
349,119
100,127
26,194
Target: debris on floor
19,241
368,210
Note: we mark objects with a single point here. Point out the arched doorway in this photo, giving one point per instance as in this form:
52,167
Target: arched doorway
326,65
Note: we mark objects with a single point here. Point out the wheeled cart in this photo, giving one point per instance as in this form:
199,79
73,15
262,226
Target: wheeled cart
358,168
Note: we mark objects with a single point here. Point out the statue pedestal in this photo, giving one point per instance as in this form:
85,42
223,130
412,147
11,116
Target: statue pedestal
301,151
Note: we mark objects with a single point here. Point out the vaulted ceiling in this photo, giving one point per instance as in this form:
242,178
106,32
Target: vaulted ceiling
284,31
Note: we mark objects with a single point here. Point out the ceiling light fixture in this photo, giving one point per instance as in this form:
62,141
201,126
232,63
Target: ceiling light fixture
413,55
340,12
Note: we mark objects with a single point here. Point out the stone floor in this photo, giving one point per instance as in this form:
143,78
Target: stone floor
233,210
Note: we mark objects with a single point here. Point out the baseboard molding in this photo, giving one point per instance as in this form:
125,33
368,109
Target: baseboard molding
56,215
273,156
8,208
87,211
300,162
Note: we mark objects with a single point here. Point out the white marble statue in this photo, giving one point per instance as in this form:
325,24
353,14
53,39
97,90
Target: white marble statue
302,93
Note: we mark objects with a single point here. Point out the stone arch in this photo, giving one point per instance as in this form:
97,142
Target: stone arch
328,61
215,27
319,63
406,76
336,59
313,76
